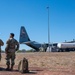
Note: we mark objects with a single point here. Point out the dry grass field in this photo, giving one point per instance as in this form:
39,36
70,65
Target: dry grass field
41,63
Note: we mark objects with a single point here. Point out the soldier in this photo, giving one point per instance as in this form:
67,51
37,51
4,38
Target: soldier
11,48
1,44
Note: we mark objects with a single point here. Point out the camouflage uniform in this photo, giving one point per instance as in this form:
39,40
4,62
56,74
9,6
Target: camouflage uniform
1,44
11,48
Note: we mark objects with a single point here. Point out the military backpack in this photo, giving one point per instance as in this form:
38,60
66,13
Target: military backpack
23,66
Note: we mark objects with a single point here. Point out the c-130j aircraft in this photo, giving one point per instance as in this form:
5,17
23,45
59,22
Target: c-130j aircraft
24,39
58,47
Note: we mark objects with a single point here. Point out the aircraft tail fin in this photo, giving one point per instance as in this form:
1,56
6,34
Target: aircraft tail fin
23,35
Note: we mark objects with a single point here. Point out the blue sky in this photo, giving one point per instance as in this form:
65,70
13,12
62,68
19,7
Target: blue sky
33,15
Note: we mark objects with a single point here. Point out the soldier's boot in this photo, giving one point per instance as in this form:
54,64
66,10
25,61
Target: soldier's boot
12,67
8,67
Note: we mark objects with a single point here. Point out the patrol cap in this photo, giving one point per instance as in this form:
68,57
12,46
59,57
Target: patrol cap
12,34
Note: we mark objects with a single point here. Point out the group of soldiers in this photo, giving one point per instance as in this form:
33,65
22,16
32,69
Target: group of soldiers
12,46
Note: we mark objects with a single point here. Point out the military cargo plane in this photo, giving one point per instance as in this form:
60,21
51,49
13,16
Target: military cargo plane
56,47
